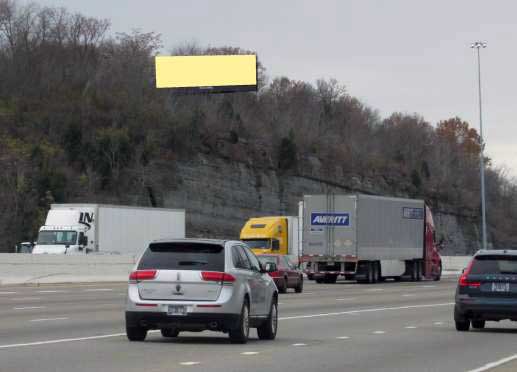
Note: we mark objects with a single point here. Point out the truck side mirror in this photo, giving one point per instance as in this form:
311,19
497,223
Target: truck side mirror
275,245
83,240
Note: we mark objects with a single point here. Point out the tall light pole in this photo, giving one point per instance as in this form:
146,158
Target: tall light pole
478,45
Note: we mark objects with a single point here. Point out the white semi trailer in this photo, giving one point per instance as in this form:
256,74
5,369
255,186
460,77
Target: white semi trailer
85,228
368,238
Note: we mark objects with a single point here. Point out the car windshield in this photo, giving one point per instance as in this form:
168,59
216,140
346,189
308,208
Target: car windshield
265,259
494,265
183,256
258,243
50,237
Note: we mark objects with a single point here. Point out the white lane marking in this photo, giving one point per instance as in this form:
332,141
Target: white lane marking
98,290
378,332
47,319
52,291
408,295
299,344
28,307
190,363
427,286
25,298
358,311
375,290
62,340
280,303
410,327
438,323
250,353
57,341
346,299
342,338
7,293
497,363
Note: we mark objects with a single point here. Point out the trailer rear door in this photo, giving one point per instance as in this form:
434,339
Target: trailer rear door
329,227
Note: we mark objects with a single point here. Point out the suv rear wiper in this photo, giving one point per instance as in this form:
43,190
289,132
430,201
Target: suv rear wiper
508,272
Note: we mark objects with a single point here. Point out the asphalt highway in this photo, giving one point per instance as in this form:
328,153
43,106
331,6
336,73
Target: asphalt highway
342,327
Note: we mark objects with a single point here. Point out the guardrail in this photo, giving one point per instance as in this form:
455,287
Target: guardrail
40,269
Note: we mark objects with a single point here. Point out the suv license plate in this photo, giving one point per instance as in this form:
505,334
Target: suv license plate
500,287
177,310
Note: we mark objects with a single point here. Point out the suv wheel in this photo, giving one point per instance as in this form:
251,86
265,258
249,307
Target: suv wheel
169,332
240,334
462,325
299,287
267,330
136,333
478,324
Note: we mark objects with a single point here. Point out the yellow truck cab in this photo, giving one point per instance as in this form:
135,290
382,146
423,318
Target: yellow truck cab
275,234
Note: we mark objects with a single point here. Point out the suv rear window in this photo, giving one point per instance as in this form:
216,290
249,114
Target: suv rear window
494,265
183,256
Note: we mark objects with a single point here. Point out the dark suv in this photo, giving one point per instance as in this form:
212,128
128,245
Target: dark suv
487,289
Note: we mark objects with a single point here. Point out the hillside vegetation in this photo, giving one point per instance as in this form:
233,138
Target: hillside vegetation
82,121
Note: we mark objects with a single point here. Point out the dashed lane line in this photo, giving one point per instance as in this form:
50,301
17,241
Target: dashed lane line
28,307
48,319
53,291
64,340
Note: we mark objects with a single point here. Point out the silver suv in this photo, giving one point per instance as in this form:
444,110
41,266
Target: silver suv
196,285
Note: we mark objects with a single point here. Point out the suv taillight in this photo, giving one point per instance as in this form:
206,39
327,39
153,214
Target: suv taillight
216,276
463,282
139,275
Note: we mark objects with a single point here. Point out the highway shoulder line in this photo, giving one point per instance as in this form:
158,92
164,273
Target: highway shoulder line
497,363
370,310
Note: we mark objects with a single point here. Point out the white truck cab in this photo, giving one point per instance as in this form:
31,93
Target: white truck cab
66,231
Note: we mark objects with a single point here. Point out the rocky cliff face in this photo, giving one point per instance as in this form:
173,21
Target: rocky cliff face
219,196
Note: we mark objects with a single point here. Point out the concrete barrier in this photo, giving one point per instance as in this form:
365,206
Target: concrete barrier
455,263
40,269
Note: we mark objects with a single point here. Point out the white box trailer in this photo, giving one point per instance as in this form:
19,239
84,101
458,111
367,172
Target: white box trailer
368,238
85,228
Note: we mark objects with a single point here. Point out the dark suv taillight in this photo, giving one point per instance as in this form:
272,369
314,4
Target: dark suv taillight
463,282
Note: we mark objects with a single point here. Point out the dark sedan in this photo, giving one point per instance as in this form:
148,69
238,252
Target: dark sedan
487,290
287,275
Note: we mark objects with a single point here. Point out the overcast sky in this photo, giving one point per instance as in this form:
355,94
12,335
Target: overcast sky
395,55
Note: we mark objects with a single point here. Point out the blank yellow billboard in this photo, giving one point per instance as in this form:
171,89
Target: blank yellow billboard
220,73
